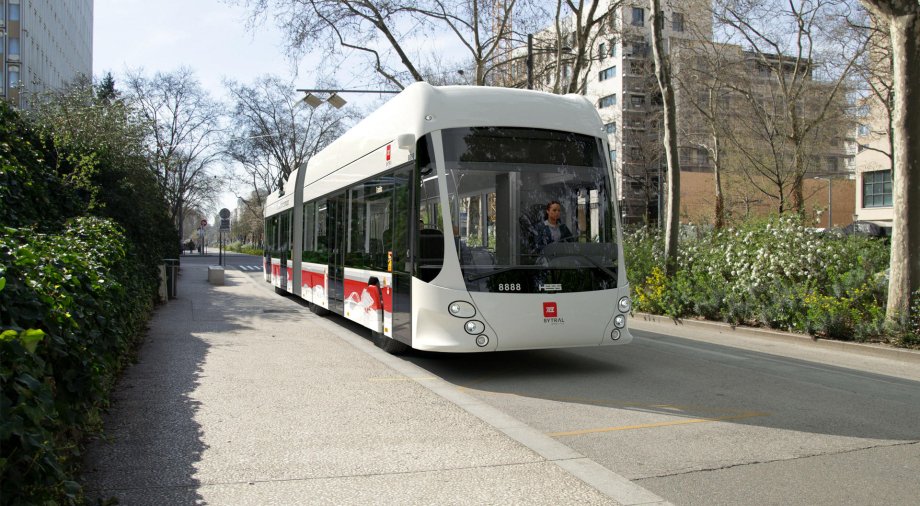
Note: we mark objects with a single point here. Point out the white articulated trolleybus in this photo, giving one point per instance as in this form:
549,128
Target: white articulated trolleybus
429,223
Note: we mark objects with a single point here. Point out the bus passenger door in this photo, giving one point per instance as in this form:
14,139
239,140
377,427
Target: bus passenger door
336,228
404,217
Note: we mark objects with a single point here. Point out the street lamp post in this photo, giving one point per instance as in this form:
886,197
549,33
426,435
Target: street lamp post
529,61
335,99
530,53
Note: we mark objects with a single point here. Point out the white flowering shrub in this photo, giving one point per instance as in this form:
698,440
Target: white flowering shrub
776,273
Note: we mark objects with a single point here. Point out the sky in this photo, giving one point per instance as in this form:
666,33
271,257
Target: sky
212,39
207,36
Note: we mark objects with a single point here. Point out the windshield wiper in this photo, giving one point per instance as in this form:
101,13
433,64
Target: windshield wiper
599,266
590,260
475,277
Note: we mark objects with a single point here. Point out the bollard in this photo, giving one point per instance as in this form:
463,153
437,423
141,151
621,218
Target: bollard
163,291
172,276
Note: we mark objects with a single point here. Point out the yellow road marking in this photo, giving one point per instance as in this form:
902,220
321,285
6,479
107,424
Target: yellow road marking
658,424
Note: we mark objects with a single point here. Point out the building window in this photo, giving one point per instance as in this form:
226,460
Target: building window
677,22
862,130
14,12
637,101
14,46
877,189
13,72
638,16
613,155
602,50
609,100
607,73
611,127
702,156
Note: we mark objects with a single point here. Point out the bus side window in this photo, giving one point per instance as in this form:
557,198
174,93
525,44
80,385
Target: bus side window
430,237
430,253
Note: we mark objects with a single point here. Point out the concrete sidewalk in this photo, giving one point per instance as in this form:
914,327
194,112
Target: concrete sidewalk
242,396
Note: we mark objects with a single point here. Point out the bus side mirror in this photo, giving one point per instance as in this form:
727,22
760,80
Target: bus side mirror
407,142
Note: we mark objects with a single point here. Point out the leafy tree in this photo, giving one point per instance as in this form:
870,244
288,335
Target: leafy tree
97,147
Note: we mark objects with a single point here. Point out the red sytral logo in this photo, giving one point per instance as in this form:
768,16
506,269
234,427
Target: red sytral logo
388,152
550,310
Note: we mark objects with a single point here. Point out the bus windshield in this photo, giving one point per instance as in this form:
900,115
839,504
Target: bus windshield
531,210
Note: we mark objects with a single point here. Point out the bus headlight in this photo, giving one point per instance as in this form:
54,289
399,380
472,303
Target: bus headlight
461,309
624,304
474,327
619,321
482,340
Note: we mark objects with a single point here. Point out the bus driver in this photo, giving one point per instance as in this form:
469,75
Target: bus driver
551,229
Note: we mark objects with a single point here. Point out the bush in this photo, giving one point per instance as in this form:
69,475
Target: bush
775,273
82,230
248,249
79,292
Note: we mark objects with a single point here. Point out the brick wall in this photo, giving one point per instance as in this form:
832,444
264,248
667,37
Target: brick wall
742,199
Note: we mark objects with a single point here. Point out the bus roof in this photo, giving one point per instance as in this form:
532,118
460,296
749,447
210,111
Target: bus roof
422,108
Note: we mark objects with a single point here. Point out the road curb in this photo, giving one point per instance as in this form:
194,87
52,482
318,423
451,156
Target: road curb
615,486
650,322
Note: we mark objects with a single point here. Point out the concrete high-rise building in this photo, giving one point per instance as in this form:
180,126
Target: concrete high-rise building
620,80
44,44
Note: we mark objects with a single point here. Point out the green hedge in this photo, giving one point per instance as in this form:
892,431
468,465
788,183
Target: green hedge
248,249
775,273
82,229
77,291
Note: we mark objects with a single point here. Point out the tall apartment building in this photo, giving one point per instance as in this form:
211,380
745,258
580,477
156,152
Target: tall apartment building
44,44
621,82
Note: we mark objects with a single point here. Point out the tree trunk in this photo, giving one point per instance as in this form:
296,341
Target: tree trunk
663,74
905,239
719,221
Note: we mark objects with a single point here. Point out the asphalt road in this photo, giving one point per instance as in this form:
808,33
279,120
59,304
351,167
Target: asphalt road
702,423
701,416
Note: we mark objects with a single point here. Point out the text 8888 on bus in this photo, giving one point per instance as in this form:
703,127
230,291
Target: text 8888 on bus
459,219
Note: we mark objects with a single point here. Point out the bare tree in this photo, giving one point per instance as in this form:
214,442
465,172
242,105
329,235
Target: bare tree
703,71
395,37
276,133
669,127
182,124
875,98
903,20
803,46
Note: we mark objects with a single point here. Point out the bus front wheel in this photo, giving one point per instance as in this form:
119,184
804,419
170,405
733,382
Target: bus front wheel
388,344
